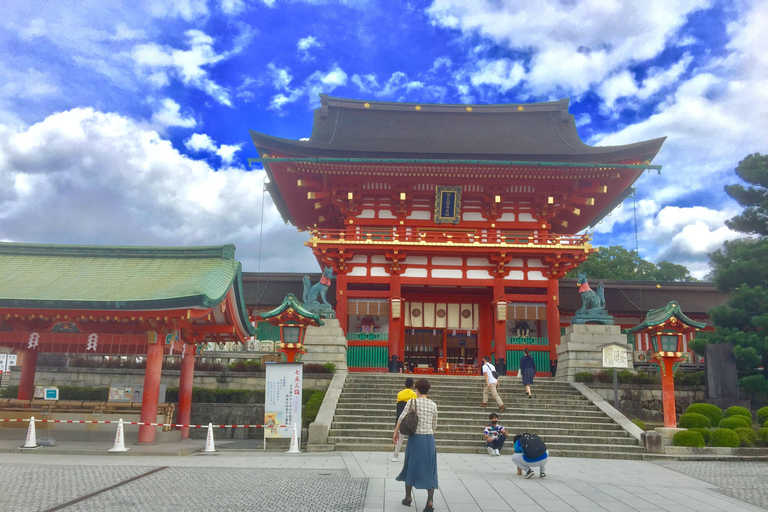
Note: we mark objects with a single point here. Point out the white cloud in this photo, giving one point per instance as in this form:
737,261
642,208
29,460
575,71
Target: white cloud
125,33
366,83
112,181
441,62
200,142
189,66
316,83
566,46
227,152
305,43
232,6
170,115
188,10
623,85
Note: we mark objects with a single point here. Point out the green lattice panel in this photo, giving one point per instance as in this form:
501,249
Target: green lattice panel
519,340
540,357
267,331
367,357
367,336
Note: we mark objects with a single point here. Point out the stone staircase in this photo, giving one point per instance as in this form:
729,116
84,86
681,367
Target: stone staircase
570,424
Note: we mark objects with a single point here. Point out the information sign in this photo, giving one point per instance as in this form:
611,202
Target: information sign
282,398
615,356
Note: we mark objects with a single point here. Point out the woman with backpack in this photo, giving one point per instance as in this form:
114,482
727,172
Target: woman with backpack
420,464
528,371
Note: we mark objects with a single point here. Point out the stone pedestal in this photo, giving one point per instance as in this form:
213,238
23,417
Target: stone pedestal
667,433
579,350
326,344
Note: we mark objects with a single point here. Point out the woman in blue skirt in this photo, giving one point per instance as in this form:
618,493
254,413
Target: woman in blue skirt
420,464
528,369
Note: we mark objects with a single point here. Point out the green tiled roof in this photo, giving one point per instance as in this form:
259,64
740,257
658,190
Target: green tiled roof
119,278
290,301
660,315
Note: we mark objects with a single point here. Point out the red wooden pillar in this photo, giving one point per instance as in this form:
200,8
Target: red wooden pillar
499,327
151,388
553,316
185,390
668,390
27,380
396,330
341,301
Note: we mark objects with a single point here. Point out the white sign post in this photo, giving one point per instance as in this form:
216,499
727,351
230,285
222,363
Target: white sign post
615,356
282,399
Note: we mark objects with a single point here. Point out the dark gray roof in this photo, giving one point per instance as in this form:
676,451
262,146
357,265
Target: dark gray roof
523,132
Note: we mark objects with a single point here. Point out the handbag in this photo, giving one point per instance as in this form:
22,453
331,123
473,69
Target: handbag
410,422
494,373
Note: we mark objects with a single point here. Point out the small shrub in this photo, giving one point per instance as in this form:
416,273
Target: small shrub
747,436
713,412
724,437
9,392
755,386
735,422
315,368
604,376
762,434
690,379
762,414
312,407
689,438
705,433
693,420
588,377
644,378
639,423
248,365
330,367
738,411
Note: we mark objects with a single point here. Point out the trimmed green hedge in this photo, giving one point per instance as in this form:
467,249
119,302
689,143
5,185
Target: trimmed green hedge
738,411
705,433
762,434
689,438
246,365
735,422
713,412
724,437
623,376
762,414
67,393
218,396
313,407
639,423
747,436
693,420
689,379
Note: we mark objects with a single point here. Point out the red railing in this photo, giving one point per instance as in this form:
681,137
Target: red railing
389,236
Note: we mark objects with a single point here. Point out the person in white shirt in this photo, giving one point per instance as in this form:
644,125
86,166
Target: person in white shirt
491,384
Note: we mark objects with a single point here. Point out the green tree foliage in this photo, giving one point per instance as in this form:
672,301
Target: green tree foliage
754,219
615,262
740,268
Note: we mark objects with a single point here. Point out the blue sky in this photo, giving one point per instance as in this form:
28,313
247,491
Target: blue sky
128,124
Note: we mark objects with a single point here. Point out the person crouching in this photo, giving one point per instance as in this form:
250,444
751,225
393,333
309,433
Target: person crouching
530,452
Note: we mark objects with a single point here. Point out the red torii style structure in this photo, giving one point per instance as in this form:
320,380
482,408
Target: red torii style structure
148,301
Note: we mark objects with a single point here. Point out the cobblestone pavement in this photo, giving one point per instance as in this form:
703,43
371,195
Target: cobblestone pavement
745,481
175,489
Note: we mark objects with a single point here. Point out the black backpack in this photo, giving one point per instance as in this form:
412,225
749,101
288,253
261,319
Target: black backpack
532,446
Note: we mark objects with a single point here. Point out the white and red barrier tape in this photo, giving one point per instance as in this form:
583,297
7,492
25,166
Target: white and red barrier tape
105,422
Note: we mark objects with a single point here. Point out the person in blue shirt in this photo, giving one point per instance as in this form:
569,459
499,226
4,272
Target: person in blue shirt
525,463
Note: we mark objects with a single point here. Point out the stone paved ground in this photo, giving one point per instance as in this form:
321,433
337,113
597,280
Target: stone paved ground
357,481
745,481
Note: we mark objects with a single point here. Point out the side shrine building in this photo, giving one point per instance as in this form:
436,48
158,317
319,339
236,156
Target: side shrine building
448,226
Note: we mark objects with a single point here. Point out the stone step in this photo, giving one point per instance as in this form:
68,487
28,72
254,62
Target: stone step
555,449
459,436
463,417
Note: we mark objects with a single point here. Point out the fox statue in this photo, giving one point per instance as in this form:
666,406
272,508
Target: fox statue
589,298
312,291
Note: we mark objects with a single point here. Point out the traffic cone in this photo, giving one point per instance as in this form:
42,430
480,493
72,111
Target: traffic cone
209,446
119,439
31,436
294,442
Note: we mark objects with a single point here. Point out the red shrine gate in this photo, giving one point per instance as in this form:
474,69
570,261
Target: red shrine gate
448,226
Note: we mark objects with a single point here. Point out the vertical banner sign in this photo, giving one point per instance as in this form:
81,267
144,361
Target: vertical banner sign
3,358
282,398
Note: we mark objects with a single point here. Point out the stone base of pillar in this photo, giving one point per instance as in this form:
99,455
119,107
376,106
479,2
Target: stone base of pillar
326,344
667,434
579,349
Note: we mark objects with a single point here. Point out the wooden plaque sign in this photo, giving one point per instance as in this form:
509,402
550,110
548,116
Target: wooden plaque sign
447,205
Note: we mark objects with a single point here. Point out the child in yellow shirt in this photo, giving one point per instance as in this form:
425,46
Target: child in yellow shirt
402,398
